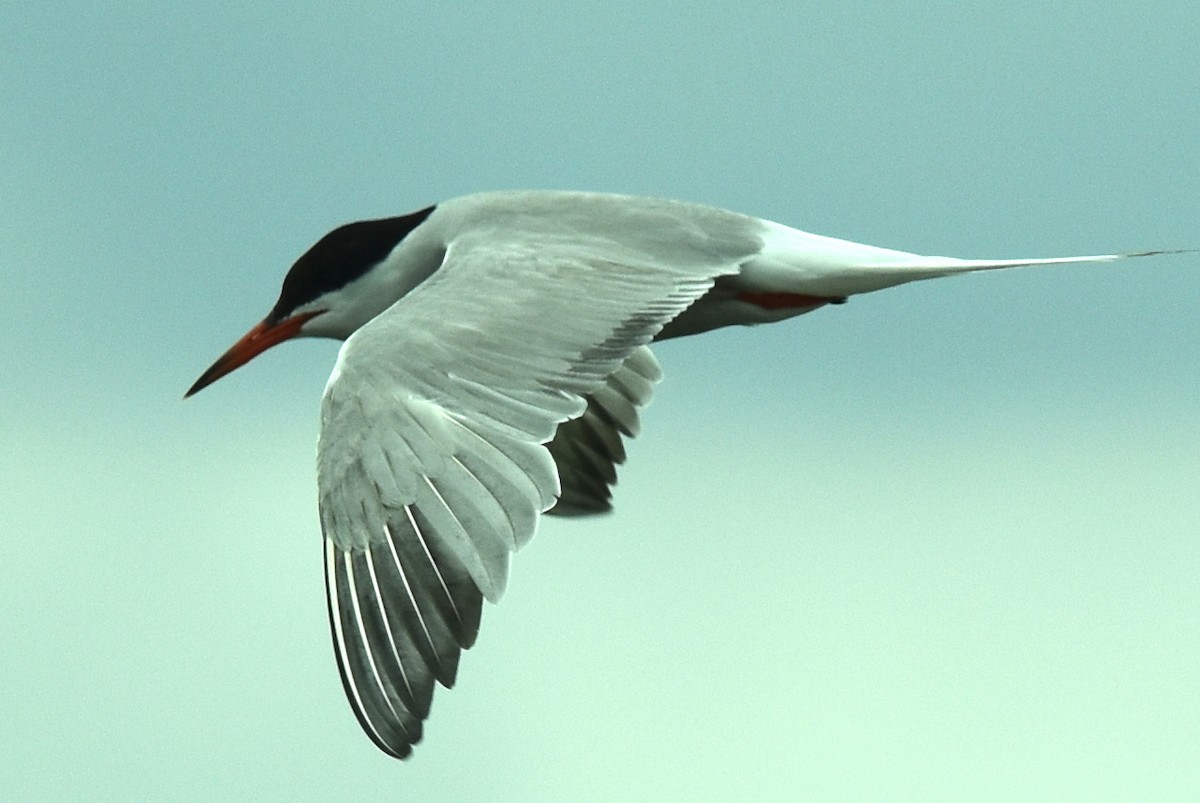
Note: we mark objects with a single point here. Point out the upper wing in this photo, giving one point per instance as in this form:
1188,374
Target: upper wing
431,462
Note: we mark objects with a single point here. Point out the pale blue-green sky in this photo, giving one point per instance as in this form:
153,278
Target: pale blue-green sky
942,542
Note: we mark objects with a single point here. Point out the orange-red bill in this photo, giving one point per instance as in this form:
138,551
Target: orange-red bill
253,343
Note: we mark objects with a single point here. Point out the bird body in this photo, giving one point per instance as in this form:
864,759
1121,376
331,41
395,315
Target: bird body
496,355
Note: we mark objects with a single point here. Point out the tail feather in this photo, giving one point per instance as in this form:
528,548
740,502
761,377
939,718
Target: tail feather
971,265
794,261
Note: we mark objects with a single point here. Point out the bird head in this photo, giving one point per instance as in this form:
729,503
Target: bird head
346,279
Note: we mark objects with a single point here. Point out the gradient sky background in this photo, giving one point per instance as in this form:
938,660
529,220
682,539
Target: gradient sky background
943,541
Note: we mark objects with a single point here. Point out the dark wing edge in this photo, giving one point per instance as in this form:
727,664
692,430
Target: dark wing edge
587,449
402,607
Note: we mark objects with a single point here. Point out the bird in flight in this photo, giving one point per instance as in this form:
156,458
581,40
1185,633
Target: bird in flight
496,354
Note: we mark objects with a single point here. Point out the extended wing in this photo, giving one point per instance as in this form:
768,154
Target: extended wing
432,461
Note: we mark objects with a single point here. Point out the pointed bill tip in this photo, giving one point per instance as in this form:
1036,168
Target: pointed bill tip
249,346
255,342
206,379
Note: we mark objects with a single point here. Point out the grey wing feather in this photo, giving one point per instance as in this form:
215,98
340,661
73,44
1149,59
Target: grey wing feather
433,463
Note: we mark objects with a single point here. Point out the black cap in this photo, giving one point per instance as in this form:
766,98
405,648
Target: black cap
340,257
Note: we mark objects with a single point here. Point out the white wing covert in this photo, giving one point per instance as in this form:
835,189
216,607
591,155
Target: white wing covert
432,463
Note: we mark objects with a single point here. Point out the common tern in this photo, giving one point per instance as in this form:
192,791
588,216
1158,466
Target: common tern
496,355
